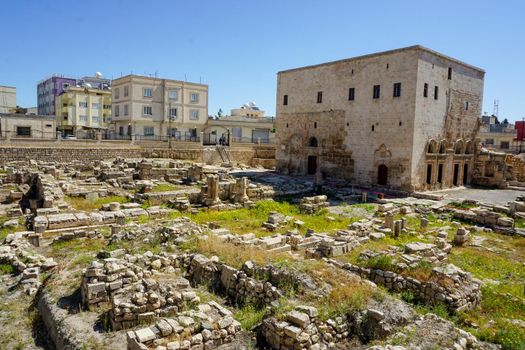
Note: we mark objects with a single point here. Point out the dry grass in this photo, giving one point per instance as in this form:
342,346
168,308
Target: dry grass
83,204
231,254
347,293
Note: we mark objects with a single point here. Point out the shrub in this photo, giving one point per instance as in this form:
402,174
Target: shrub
381,262
249,316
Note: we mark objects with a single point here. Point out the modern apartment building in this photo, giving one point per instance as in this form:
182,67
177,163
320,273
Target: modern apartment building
405,118
7,98
153,108
83,108
47,91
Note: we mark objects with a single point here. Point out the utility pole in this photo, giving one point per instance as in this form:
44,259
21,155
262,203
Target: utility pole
521,136
169,126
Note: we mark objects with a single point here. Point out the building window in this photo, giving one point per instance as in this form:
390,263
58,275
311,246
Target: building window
373,127
466,105
173,113
147,92
351,94
173,94
82,104
117,111
504,145
83,118
397,89
107,106
126,91
449,73
95,120
147,110
23,131
121,130
194,97
425,90
126,109
436,92
95,105
148,131
319,97
315,125
440,173
194,114
377,91
65,86
49,125
285,100
489,141
117,93
429,174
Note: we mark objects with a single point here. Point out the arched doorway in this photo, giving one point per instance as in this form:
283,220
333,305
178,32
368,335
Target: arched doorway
312,142
382,174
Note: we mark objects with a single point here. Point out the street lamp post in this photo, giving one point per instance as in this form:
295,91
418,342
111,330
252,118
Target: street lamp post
169,126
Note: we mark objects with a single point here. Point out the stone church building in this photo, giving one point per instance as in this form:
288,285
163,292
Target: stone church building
405,118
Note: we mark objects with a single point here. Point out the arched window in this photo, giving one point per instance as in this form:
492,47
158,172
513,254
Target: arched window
312,142
442,148
468,147
430,147
459,147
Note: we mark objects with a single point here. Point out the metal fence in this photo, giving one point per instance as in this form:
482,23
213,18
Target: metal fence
254,140
210,139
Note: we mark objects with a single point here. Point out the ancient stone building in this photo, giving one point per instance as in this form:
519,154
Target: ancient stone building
405,118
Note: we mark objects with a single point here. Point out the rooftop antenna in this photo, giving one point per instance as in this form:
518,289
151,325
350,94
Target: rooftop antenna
185,79
496,108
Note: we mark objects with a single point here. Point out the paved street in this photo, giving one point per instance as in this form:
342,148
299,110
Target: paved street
488,196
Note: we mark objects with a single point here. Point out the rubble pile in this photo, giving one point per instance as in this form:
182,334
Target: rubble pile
207,327
448,284
311,205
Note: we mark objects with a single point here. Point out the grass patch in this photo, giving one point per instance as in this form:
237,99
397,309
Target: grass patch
167,187
461,205
381,262
249,316
501,301
484,264
250,220
83,204
369,208
74,247
6,269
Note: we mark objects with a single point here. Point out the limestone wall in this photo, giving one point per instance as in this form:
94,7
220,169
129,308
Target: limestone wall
89,151
373,133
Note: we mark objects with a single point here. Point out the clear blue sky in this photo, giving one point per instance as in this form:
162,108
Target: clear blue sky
238,46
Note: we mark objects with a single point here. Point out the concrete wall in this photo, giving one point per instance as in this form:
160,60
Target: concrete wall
41,126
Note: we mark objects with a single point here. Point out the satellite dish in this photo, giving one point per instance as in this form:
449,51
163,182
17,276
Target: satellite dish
88,85
98,75
252,104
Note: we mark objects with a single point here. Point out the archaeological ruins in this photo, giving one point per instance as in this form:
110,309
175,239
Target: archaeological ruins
377,222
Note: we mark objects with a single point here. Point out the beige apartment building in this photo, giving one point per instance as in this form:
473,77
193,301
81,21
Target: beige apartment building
82,108
405,118
142,106
7,99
